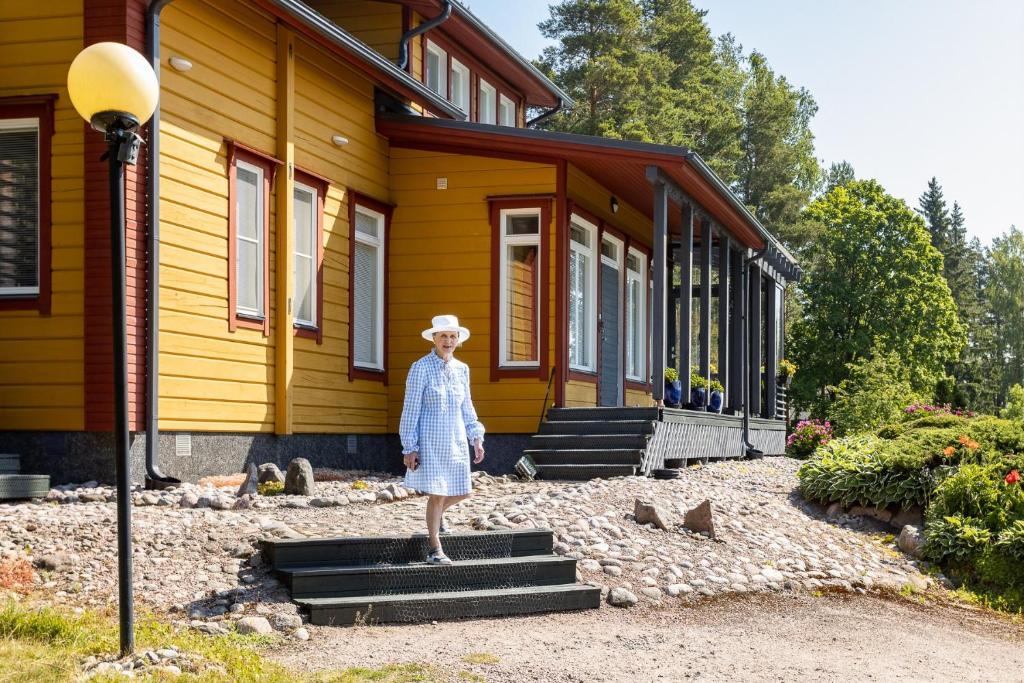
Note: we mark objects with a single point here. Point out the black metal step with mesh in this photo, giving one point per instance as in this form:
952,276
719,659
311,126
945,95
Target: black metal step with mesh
587,456
592,441
584,472
597,427
604,414
23,486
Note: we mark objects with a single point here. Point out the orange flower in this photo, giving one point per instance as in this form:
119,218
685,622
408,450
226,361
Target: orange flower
948,451
973,445
963,439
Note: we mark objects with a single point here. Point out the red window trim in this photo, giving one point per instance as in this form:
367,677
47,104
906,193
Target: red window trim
269,164
320,184
38,107
495,207
358,199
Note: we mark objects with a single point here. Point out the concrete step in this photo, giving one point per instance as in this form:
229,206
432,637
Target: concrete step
420,577
359,550
415,607
587,456
584,472
597,427
547,442
591,414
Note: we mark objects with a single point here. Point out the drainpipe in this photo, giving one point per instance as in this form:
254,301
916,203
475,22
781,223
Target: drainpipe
748,448
403,44
549,113
155,479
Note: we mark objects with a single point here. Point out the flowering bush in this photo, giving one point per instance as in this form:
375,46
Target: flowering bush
787,368
915,410
807,436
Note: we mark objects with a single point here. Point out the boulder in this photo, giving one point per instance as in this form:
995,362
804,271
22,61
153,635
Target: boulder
248,486
646,512
258,625
620,597
299,480
269,472
913,516
286,622
911,541
699,519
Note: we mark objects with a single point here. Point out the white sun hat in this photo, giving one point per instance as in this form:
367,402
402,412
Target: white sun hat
445,323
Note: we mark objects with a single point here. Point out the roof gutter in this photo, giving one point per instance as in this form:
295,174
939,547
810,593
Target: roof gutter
320,24
546,115
403,44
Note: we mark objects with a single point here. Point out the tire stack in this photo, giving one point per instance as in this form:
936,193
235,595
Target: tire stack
671,469
17,486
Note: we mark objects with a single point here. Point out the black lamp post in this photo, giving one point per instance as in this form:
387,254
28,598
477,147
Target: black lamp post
114,88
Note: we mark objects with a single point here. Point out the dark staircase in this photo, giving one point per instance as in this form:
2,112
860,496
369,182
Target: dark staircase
587,443
346,581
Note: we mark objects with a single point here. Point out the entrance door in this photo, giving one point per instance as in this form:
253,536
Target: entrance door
610,376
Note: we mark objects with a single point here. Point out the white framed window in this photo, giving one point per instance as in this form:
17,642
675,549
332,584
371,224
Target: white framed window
486,103
519,296
368,289
436,70
507,112
460,85
305,256
250,238
19,207
582,295
636,316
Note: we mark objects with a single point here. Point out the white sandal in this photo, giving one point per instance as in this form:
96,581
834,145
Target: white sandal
437,556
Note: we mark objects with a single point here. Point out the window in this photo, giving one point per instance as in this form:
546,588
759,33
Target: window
308,255
368,288
636,323
26,127
520,288
250,174
486,103
460,85
507,112
582,295
436,75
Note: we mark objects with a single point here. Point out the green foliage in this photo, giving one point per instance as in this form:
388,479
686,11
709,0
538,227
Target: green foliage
954,538
807,437
978,492
873,394
1011,540
270,488
787,368
1014,409
1004,294
873,281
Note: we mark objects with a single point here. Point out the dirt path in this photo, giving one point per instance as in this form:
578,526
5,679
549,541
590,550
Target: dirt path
765,637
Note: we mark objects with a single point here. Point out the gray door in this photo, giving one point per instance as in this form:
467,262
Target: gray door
610,380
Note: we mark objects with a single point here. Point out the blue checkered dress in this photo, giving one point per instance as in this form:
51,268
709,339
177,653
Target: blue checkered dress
438,421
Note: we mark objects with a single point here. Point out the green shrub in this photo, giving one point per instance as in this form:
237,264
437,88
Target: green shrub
1011,541
981,493
942,420
1002,435
874,394
1014,409
890,431
954,538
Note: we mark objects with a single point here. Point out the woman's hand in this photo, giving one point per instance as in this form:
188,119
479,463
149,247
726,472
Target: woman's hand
478,449
412,460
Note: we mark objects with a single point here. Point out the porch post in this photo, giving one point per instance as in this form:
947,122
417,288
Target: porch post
754,305
705,302
686,301
724,266
771,361
736,364
659,303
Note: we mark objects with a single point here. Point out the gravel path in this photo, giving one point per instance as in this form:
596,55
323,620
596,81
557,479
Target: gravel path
766,637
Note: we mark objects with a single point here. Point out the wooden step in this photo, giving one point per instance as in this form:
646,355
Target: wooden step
597,427
587,456
584,472
359,550
415,607
559,414
546,442
421,577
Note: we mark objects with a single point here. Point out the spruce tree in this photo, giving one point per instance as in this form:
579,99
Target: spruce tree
932,206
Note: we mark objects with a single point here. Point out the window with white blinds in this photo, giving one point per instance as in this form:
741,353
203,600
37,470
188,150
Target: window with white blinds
19,207
582,295
636,323
368,290
305,255
250,237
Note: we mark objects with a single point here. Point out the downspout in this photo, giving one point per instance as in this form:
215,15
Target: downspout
748,448
155,479
549,113
403,44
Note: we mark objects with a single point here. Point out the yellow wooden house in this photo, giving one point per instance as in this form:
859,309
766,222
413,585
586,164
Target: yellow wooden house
320,179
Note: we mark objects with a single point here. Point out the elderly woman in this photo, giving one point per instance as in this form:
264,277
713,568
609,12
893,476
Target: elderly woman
438,420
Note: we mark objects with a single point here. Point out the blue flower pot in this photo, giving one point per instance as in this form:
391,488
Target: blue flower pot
697,398
715,402
673,393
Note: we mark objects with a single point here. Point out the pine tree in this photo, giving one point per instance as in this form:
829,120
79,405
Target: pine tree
838,174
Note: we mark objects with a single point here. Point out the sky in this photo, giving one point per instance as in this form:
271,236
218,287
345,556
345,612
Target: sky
906,89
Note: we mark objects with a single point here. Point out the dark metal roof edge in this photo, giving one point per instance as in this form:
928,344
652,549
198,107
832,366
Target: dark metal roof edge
364,52
466,14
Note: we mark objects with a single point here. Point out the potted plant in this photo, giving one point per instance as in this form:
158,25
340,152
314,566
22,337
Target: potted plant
698,390
673,388
715,400
787,369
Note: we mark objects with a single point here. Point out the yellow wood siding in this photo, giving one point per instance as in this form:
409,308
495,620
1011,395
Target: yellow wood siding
638,399
42,357
441,263
580,394
378,24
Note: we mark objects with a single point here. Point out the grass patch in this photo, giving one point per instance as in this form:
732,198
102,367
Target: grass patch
470,676
46,645
270,488
480,658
